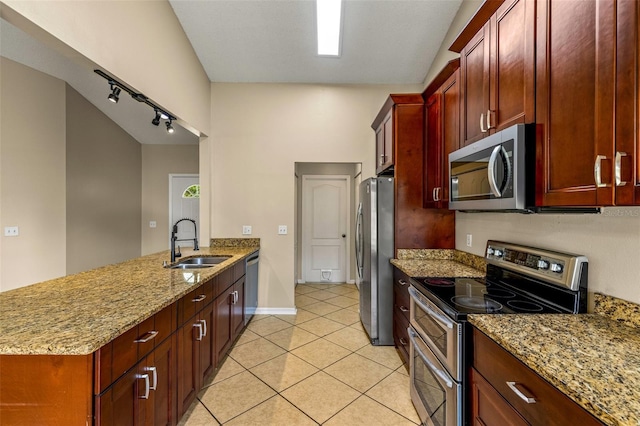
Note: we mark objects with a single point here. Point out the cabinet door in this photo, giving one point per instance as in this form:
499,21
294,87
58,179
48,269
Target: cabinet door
626,157
187,365
207,344
512,65
379,148
488,407
474,66
388,140
119,405
433,151
223,324
574,102
237,314
163,397
450,129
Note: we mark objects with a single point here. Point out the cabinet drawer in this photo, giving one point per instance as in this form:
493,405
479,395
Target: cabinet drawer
223,281
400,336
194,301
499,367
401,298
239,270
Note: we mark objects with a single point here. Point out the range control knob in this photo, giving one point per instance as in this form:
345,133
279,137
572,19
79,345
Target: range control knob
490,251
556,267
498,252
543,264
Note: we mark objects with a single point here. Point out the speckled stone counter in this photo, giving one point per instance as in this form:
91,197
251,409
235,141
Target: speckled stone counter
593,358
439,263
77,314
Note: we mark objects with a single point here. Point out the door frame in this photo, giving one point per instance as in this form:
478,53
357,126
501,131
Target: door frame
171,218
303,249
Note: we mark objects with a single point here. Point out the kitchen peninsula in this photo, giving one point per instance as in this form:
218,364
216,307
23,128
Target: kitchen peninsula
68,344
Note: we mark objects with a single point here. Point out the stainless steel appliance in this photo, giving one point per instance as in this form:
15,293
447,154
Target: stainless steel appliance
491,174
251,286
374,250
519,279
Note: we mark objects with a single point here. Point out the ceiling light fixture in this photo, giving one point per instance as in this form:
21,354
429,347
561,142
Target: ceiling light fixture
329,23
114,96
157,118
170,128
116,87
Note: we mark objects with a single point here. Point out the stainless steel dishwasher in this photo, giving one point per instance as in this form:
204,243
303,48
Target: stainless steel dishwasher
251,286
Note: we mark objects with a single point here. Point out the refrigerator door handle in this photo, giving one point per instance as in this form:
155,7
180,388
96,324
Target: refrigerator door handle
359,241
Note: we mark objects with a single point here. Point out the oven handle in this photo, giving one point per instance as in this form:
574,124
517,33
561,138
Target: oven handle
444,320
439,373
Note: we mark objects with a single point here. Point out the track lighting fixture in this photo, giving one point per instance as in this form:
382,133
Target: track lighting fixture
114,96
170,128
156,119
116,87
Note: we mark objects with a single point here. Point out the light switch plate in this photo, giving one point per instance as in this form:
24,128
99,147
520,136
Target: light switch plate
469,240
152,224
246,229
282,229
11,231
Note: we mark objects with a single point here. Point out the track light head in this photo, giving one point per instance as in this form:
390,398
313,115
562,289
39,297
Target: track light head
156,120
114,96
170,129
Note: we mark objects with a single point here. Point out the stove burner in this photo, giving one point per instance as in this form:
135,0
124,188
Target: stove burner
439,282
498,292
524,306
477,303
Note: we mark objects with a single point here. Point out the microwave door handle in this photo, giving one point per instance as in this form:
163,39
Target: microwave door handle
441,374
492,171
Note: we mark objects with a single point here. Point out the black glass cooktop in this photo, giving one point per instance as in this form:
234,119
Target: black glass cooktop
461,296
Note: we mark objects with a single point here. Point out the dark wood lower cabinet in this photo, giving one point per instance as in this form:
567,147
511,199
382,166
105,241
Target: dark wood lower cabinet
488,407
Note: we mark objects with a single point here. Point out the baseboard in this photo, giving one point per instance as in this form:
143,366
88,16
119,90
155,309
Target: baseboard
301,281
276,311
351,281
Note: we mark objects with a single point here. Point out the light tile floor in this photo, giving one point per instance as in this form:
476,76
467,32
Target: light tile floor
316,367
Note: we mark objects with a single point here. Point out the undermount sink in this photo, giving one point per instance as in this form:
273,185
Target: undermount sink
199,262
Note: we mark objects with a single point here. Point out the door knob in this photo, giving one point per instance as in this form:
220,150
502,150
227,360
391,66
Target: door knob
343,235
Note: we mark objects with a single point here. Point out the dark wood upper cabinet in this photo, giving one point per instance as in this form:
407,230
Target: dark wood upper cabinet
442,134
497,71
627,115
575,86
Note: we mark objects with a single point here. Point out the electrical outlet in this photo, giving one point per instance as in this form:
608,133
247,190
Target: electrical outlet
152,224
246,229
11,231
282,229
469,240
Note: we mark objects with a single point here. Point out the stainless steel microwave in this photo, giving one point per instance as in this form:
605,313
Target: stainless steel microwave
495,173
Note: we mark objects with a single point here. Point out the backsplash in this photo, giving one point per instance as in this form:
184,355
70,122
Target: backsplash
235,242
617,309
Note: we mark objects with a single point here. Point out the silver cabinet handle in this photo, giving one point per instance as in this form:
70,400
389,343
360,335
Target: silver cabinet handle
403,308
146,385
432,367
153,370
200,298
199,327
402,282
618,168
204,324
236,297
488,119
522,396
146,337
438,193
444,320
403,342
597,171
434,194
482,129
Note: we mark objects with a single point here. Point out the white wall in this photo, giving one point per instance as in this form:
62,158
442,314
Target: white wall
611,242
32,157
139,42
259,132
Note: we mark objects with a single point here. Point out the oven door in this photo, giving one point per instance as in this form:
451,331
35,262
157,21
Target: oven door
441,333
435,394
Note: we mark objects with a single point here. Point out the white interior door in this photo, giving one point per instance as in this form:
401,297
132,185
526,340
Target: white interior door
184,204
325,228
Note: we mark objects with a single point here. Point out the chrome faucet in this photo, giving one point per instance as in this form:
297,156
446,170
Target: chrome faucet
174,238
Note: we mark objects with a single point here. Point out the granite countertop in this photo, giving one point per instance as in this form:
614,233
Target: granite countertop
592,358
439,263
77,314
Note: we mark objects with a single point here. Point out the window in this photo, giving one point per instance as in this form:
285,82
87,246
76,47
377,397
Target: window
192,191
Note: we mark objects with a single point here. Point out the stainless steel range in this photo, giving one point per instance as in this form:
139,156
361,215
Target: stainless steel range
519,280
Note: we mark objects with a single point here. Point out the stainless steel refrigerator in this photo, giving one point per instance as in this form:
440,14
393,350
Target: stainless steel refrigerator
374,250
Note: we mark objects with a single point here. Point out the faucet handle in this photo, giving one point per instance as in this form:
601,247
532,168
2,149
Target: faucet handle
178,252
165,263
